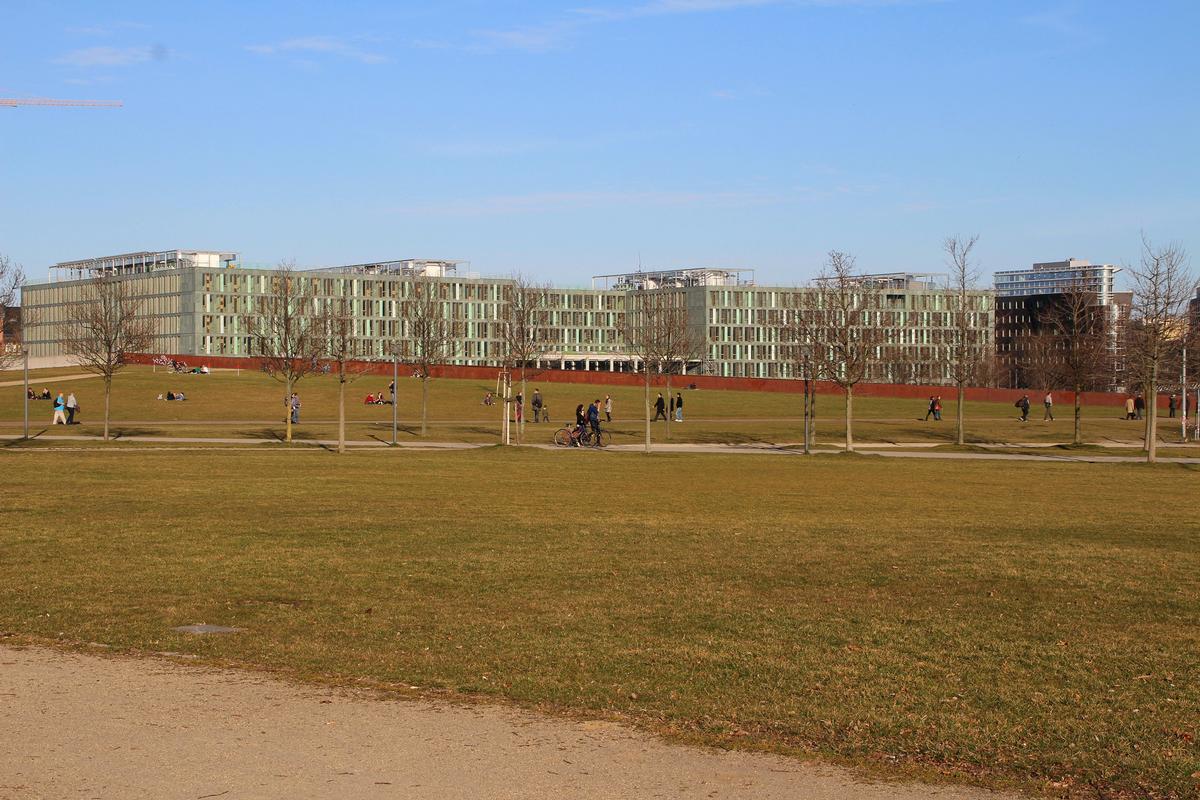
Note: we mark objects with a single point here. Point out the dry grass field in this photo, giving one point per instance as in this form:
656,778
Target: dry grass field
1024,625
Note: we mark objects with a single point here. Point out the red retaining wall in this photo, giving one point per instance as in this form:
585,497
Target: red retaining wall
488,375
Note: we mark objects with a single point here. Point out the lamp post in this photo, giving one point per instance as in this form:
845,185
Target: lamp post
395,392
25,358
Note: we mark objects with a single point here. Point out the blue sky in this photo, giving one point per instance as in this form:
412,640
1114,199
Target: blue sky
568,139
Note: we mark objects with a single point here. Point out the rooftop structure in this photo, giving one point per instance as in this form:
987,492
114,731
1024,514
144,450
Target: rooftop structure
673,279
406,267
1056,277
140,263
897,281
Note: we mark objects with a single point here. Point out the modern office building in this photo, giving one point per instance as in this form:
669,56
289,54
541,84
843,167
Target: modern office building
1025,298
199,301
1056,277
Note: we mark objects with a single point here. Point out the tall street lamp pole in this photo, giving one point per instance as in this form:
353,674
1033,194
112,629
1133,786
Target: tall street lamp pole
25,357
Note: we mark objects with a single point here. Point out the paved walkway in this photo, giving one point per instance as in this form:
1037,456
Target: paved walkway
886,450
90,727
39,382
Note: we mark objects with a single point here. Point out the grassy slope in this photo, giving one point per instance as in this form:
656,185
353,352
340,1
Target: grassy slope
1005,625
250,405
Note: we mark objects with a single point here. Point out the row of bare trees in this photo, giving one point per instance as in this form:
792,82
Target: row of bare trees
1081,344
838,334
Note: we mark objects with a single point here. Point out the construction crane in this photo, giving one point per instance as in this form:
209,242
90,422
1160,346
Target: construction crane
46,101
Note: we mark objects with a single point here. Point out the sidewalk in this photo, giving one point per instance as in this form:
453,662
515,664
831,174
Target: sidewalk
884,449
38,382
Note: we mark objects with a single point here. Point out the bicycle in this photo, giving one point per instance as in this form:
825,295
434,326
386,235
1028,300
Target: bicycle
591,438
562,436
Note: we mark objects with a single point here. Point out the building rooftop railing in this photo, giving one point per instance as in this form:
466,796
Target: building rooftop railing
645,280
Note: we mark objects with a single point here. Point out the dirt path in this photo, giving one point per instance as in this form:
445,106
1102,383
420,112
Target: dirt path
77,726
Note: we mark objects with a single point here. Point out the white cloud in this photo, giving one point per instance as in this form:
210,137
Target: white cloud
541,202
327,45
109,56
107,29
555,34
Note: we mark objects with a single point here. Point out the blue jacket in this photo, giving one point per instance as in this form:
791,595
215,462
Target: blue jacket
593,414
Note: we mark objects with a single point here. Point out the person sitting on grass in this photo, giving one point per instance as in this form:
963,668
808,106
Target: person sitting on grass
45,394
31,394
179,396
370,399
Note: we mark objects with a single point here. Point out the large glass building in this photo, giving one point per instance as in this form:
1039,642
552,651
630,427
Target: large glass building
199,301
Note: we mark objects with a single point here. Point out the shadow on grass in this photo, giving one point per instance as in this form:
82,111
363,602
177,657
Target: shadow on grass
20,441
120,433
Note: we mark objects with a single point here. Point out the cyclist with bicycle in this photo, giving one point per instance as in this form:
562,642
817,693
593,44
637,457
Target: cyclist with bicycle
593,418
580,425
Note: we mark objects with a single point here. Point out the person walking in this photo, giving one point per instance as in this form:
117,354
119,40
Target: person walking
1172,404
679,406
608,408
392,391
59,406
1023,404
930,412
295,405
537,406
660,408
1048,402
937,408
72,406
519,408
1139,406
1130,408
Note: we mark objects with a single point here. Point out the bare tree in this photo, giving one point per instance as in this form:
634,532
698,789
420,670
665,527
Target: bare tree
104,326
343,350
430,336
525,332
285,332
799,338
11,278
651,326
967,340
846,315
1162,284
1078,331
679,343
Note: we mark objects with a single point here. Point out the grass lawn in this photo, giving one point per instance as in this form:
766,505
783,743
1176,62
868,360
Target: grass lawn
250,405
1031,625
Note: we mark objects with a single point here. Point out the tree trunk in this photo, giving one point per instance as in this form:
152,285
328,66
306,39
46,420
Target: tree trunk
424,400
646,382
287,409
107,395
1152,416
962,394
524,399
812,414
1079,419
671,414
341,413
807,444
849,419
